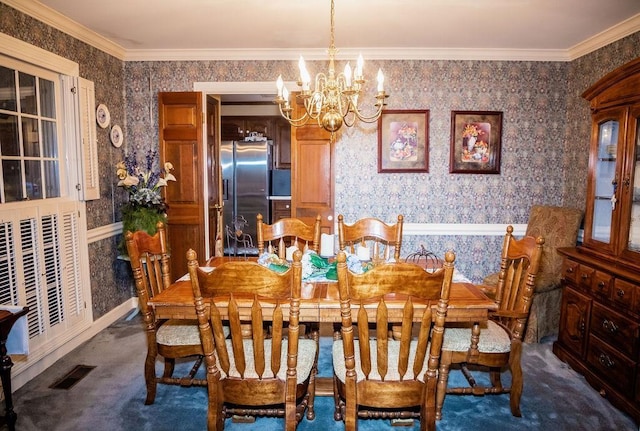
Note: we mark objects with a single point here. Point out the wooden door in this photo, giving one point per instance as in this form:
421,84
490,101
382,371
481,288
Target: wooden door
214,178
180,133
312,174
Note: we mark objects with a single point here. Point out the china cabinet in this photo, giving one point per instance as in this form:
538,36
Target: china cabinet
600,312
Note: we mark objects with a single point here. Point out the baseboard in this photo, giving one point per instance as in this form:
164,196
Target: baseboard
22,373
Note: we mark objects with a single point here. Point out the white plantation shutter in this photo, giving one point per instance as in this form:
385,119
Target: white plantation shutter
71,259
81,137
41,266
91,177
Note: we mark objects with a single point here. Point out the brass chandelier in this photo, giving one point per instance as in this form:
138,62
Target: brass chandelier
334,98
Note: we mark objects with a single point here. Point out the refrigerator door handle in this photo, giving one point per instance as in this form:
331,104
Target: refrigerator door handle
225,190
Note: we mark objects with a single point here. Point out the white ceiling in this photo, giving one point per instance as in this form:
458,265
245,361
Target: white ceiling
284,29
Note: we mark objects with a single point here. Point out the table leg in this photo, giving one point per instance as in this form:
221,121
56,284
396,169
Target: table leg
5,375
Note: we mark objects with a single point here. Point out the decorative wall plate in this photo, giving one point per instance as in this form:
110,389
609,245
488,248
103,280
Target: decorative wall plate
103,117
116,136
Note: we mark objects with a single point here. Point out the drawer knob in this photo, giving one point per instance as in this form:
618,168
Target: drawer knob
601,285
609,326
570,270
620,293
606,361
585,276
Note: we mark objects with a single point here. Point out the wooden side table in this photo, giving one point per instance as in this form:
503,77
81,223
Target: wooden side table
7,319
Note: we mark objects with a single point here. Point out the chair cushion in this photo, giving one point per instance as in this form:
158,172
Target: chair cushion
307,351
392,372
178,332
493,339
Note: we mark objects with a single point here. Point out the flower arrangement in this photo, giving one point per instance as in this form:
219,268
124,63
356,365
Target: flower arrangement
471,130
146,206
143,184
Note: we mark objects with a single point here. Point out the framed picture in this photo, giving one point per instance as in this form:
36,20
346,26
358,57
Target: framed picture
403,141
476,138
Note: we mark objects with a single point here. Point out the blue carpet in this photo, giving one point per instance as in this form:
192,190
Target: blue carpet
111,397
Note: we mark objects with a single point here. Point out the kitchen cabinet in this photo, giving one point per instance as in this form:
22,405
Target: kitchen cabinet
238,128
600,312
275,128
280,209
282,144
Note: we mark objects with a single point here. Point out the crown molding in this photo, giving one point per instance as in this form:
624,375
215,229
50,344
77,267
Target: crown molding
617,32
66,25
348,53
56,20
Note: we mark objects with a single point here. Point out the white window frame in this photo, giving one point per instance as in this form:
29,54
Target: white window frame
60,260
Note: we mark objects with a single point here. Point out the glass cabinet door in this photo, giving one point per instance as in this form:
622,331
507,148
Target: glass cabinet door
604,182
631,244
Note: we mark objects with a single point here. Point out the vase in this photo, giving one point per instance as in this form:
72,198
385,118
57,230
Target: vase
471,142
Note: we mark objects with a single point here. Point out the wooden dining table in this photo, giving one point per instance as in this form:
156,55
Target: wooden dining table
320,303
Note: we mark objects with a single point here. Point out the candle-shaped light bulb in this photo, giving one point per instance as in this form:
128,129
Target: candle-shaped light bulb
285,94
380,81
305,78
279,85
347,75
359,67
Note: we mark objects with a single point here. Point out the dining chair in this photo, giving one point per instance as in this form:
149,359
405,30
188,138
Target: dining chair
287,232
268,373
497,346
374,234
382,377
171,339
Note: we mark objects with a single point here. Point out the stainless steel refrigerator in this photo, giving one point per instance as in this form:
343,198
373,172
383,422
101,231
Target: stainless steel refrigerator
245,188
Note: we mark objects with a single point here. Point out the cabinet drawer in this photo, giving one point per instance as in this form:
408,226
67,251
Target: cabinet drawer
570,271
623,293
614,329
613,367
585,277
601,284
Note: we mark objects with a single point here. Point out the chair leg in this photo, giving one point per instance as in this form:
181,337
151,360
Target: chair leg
337,403
516,377
150,377
443,378
169,365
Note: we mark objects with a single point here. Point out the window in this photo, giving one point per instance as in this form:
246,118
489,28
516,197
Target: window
29,131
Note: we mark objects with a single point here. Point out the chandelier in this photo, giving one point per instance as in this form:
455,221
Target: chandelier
334,98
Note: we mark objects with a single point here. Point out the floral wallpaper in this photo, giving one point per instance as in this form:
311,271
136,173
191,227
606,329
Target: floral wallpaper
544,143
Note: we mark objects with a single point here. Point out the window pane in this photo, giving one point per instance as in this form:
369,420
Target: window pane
12,180
9,144
30,137
7,89
34,179
28,94
49,139
51,175
47,99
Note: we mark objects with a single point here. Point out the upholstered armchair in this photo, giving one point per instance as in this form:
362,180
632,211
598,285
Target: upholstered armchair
559,227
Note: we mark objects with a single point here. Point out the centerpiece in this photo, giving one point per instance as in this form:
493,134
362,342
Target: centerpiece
146,206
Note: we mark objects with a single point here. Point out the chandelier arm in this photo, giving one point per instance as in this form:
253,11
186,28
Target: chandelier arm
295,122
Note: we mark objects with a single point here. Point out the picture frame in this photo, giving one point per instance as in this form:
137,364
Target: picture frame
476,142
403,141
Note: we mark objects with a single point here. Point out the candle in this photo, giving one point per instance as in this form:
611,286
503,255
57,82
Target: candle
363,253
380,81
347,75
327,245
289,252
279,85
